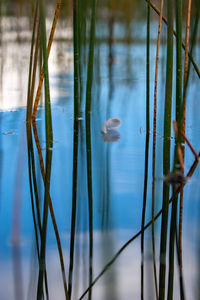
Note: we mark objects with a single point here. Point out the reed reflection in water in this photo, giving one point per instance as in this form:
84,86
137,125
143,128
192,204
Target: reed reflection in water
83,199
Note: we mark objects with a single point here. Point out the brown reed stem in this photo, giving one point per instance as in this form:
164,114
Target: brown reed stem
106,267
51,209
174,32
183,126
53,28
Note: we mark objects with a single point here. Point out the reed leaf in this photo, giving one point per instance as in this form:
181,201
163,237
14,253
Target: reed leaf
178,139
42,168
146,146
88,135
37,98
29,103
75,141
49,145
197,70
120,251
166,149
154,142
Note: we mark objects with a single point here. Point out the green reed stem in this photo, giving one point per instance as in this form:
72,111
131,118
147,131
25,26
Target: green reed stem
88,135
32,178
120,251
53,28
178,119
171,248
197,70
76,135
49,145
154,143
166,149
148,69
179,67
192,44
144,210
146,146
31,163
29,102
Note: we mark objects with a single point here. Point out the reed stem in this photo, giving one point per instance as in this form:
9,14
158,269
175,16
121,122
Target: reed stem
166,149
75,142
88,136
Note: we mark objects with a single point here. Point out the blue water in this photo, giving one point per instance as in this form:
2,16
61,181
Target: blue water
118,181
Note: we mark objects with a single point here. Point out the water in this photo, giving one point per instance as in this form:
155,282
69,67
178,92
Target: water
117,174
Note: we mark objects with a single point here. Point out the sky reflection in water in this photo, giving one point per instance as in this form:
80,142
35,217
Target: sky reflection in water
117,170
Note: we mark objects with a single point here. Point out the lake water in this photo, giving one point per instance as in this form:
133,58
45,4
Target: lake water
117,172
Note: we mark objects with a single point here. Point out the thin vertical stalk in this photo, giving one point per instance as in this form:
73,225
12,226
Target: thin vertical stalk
31,163
144,210
49,145
42,168
76,135
179,67
88,136
146,146
29,102
173,224
192,44
36,216
120,251
154,142
166,149
171,248
183,126
37,98
197,70
187,45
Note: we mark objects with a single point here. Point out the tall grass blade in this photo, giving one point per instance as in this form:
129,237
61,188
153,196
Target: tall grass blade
75,143
49,145
88,136
29,102
37,98
146,145
197,70
33,188
154,142
31,160
173,224
120,251
183,115
166,149
42,168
